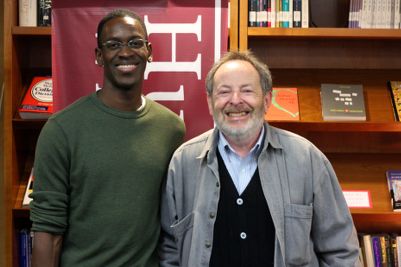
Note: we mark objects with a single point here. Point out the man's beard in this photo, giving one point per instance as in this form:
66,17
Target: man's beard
251,128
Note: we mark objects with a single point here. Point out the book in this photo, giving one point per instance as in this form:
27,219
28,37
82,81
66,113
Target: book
368,248
27,13
377,250
24,247
38,100
394,187
342,102
28,190
395,92
284,105
44,12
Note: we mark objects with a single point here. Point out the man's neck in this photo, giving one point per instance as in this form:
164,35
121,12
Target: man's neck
124,100
243,145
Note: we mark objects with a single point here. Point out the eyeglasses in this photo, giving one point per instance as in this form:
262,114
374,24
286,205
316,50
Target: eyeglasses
113,45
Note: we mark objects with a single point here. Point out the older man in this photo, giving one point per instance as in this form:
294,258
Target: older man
248,194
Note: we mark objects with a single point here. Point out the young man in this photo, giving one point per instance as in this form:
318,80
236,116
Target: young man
100,163
248,194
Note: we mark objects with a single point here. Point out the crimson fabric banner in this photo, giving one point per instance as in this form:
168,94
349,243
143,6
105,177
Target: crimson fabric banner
187,36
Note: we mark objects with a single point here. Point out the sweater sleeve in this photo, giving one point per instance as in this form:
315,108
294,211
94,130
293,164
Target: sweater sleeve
48,209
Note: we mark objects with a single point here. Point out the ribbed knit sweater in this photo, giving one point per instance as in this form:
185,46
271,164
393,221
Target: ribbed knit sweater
98,174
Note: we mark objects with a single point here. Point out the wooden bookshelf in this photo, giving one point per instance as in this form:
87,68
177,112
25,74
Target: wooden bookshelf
27,53
360,152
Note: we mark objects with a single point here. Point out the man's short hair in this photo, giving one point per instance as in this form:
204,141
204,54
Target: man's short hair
248,56
118,13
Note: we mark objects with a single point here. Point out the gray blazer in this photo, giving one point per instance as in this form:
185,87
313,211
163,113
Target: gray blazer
312,221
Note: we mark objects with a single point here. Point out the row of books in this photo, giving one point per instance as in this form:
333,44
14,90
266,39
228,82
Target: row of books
278,13
33,13
380,250
376,250
383,14
340,102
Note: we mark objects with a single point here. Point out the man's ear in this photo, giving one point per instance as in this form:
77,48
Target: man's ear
99,57
267,100
150,57
210,104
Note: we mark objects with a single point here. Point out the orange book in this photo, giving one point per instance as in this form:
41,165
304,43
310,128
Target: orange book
38,99
284,106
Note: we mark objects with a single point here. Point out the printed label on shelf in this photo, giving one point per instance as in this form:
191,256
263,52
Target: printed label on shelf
358,198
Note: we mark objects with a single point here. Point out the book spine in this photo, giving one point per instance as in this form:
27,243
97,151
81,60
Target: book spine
269,13
285,14
44,12
398,242
395,99
351,14
252,13
396,14
27,13
297,13
369,257
273,11
24,248
384,251
377,253
305,14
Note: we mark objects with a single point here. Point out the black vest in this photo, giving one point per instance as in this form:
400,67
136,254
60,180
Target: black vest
243,232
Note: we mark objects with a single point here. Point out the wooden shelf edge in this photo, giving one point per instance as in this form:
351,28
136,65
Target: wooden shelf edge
28,124
31,31
358,127
21,213
339,33
387,222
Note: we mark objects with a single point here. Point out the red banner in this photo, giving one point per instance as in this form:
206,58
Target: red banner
187,36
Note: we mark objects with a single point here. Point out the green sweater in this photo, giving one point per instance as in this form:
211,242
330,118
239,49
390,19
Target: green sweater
98,174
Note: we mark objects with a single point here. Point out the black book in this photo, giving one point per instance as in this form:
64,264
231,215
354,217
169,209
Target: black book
44,13
395,91
343,102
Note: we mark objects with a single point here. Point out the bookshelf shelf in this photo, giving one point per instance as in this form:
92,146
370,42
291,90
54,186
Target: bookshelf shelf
28,124
341,127
385,222
360,152
323,33
27,53
31,31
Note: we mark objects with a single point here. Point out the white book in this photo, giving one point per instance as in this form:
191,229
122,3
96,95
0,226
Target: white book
291,13
396,24
398,238
28,13
273,13
367,243
28,190
305,14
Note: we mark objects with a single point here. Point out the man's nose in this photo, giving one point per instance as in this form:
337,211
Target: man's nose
236,97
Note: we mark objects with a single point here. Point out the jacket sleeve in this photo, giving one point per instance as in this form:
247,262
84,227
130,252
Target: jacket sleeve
168,251
333,232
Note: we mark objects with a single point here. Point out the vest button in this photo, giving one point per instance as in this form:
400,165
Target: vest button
212,215
243,235
240,201
217,184
208,244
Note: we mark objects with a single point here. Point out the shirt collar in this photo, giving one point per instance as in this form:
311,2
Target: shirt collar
223,143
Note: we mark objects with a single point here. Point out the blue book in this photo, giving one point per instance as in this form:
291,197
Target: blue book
23,250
